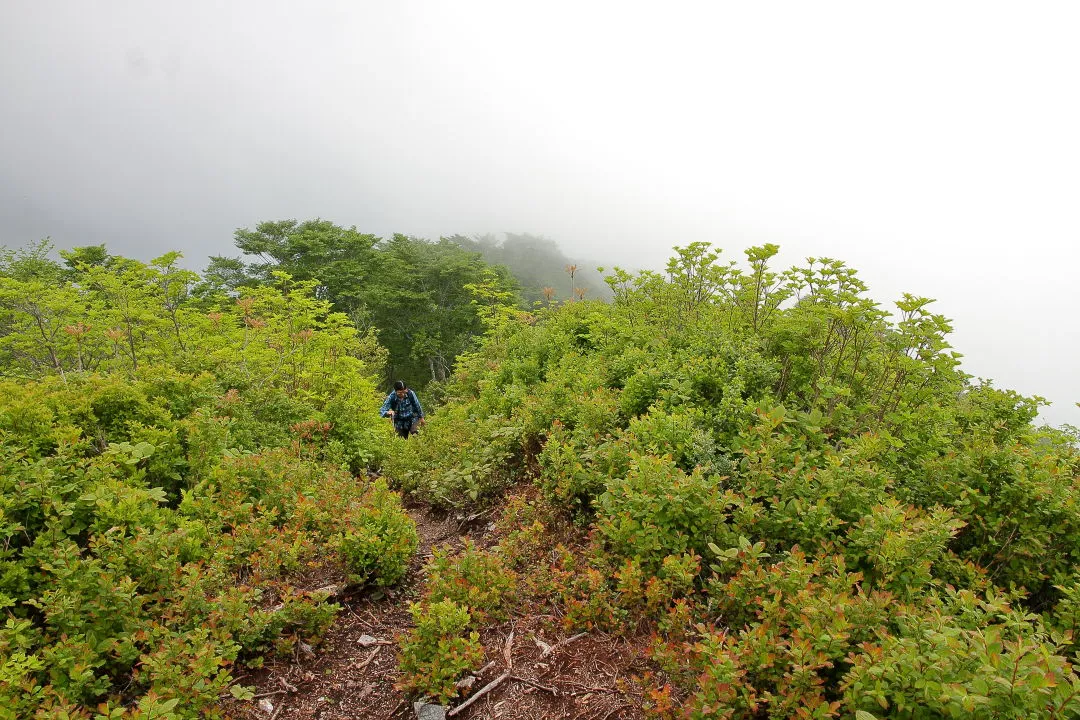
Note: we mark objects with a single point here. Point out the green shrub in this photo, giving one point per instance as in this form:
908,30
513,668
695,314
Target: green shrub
180,393
381,539
657,510
898,546
590,602
572,394
191,669
463,460
525,530
683,434
20,691
438,650
640,391
30,420
114,581
148,534
356,428
166,465
568,479
1065,616
1002,667
649,597
782,638
474,579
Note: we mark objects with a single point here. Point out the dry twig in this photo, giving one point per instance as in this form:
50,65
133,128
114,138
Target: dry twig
393,712
529,681
363,665
562,643
494,683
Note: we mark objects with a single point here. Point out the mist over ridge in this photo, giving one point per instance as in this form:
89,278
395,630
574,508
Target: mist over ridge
947,172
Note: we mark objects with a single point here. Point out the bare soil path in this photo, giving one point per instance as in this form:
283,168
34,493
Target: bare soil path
352,674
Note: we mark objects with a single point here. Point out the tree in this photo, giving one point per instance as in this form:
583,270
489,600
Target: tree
224,276
408,289
35,307
422,305
342,260
87,255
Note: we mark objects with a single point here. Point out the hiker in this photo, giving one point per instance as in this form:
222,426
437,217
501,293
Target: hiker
403,407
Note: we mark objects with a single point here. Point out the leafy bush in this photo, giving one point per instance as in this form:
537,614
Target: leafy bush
900,545
119,596
455,467
575,471
999,666
381,540
525,528
813,508
1019,504
787,631
721,417
683,434
474,579
657,510
438,650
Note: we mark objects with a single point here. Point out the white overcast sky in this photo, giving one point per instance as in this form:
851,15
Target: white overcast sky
934,146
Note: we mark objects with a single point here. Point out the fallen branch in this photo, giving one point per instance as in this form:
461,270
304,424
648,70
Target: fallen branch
562,643
480,693
529,681
362,620
363,665
494,683
506,650
462,521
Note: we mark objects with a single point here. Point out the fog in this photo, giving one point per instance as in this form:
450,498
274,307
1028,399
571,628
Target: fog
932,146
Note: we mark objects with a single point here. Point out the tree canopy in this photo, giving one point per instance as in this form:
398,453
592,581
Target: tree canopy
410,289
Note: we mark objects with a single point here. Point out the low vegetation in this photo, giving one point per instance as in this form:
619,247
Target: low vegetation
794,498
814,511
175,480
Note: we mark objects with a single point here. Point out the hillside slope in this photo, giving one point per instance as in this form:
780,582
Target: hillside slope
798,495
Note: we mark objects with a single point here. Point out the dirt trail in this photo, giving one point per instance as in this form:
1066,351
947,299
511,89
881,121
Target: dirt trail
349,677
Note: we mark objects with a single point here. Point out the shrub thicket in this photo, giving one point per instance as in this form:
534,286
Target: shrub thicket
815,509
169,467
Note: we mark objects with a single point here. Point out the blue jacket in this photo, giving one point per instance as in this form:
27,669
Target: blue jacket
403,409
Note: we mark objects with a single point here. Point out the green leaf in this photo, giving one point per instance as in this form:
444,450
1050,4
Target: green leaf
142,450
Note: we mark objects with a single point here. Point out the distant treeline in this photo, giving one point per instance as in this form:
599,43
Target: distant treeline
421,295
544,272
